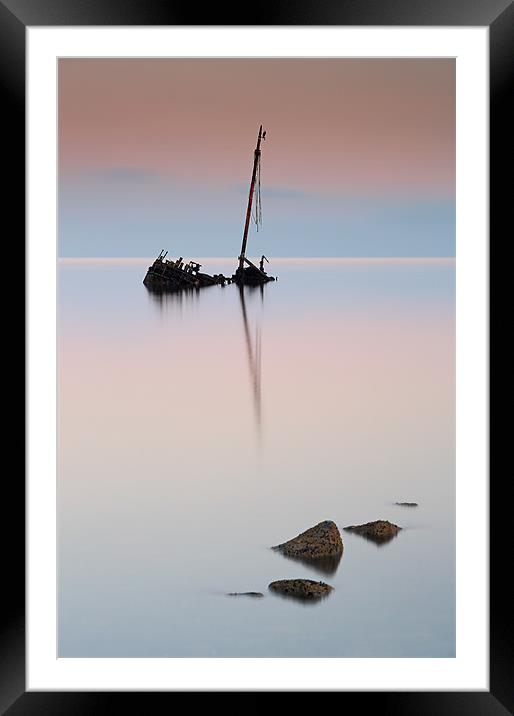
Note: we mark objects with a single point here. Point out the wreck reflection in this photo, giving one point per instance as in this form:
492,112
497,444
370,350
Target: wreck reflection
165,300
173,300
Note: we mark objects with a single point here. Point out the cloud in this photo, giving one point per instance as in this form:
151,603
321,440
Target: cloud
130,175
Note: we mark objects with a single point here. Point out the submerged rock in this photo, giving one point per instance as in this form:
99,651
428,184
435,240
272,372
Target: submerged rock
406,504
245,594
379,531
304,589
319,542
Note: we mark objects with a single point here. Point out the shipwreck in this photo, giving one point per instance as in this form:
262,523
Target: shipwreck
167,274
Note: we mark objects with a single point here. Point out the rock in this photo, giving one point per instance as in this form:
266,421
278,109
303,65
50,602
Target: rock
245,594
304,589
379,531
320,547
407,504
322,540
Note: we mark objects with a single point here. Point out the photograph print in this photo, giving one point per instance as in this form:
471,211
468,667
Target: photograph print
256,358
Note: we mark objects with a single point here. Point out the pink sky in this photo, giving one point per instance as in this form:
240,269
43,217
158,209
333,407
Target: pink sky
362,125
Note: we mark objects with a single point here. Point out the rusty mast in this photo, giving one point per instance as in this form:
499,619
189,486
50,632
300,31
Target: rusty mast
256,161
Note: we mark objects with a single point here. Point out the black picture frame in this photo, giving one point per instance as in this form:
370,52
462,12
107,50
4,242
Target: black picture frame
498,15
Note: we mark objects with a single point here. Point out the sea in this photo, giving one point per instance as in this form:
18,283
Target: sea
197,430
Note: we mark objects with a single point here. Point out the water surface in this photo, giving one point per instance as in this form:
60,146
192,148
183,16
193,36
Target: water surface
197,430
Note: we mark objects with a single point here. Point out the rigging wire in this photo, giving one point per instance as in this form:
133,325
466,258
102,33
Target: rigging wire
257,215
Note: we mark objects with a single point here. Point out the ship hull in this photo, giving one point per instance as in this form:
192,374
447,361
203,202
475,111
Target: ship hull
168,278
251,276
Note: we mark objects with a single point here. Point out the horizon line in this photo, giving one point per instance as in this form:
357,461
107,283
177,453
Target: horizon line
276,258
84,259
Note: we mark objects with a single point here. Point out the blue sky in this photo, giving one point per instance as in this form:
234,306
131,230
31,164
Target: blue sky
133,212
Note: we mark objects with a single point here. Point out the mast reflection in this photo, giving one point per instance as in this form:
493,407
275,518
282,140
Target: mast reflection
253,350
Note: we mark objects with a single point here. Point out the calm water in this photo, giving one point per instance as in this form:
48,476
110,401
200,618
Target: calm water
198,430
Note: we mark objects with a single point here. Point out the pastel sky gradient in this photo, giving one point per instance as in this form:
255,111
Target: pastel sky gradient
156,153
